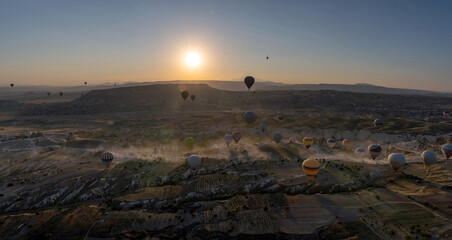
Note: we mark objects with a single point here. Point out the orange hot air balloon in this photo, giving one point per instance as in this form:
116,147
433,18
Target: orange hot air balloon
347,143
307,142
311,167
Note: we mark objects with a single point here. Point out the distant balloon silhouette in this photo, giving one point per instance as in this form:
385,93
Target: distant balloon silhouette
249,117
428,158
267,57
61,93
86,83
107,157
192,97
374,150
378,123
184,95
12,84
447,150
228,138
115,84
236,135
194,161
277,137
48,94
249,81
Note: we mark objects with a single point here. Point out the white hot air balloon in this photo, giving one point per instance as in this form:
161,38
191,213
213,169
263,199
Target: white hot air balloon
194,161
447,150
396,160
360,151
331,143
374,150
27,134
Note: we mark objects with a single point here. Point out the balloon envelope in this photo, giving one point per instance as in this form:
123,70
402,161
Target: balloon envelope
12,84
27,134
188,142
228,138
249,117
360,151
194,161
374,150
311,167
61,93
193,97
236,135
249,81
396,160
428,158
307,142
447,150
331,143
184,95
292,140
378,123
106,157
347,143
263,127
277,137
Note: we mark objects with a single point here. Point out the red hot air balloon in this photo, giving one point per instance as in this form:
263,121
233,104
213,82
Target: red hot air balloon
249,81
184,95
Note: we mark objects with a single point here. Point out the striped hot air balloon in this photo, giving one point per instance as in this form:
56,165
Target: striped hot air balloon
107,157
447,150
374,150
236,135
307,142
311,168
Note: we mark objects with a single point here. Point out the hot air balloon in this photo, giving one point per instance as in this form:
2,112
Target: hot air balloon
307,142
192,97
12,84
446,113
347,143
249,81
194,161
396,160
236,135
374,150
27,134
277,137
360,151
249,117
48,94
228,138
292,140
311,168
188,142
378,123
257,133
428,158
447,150
61,93
331,143
263,127
184,95
279,119
107,157
267,57
86,83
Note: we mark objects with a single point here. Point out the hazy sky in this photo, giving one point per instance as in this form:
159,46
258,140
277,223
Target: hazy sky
396,43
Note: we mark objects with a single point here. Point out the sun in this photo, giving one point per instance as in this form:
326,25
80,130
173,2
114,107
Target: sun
192,59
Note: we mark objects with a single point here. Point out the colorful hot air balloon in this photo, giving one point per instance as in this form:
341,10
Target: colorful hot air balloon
331,143
193,97
446,113
107,157
396,160
27,134
228,138
249,117
236,135
12,84
307,142
61,93
378,123
347,143
311,168
428,158
184,95
374,150
188,142
292,140
194,161
447,150
277,137
360,151
249,81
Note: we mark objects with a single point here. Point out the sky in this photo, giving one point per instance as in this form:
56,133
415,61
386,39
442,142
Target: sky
393,43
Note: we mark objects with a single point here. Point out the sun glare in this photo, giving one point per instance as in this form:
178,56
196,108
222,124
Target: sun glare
192,59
